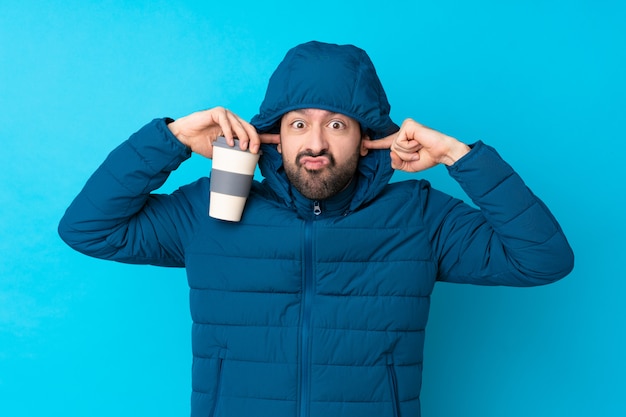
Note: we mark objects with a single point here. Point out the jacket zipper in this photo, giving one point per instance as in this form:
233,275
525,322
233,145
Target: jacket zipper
307,298
317,210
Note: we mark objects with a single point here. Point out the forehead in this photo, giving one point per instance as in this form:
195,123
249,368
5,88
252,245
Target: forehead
317,113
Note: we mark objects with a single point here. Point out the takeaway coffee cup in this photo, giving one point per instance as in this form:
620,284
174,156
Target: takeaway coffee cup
231,178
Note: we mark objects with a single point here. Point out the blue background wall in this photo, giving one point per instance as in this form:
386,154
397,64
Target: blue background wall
542,81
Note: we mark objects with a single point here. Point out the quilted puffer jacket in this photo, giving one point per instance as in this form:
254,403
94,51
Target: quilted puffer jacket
316,308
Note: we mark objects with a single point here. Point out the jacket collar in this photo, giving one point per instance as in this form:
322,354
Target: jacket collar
373,174
337,205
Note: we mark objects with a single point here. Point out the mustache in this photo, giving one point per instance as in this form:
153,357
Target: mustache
312,154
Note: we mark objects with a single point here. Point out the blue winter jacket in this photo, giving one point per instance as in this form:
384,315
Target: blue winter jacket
298,314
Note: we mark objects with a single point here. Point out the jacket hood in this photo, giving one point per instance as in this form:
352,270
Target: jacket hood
337,78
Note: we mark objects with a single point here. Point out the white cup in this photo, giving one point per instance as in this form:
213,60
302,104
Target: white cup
232,171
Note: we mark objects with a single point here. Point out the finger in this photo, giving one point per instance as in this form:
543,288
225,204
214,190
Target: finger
411,163
399,163
396,161
417,166
240,130
383,143
405,143
225,125
407,147
407,157
271,138
408,138
253,140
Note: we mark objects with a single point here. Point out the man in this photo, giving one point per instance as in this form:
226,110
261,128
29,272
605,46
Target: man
315,304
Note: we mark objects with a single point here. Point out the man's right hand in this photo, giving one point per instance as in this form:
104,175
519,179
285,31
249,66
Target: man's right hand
199,130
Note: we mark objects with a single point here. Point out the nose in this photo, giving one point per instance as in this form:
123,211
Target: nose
317,142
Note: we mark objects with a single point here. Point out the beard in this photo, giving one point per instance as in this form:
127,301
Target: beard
324,183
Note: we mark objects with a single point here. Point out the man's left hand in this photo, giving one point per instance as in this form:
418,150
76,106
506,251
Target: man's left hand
416,147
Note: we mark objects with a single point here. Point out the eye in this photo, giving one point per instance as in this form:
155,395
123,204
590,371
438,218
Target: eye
336,124
298,124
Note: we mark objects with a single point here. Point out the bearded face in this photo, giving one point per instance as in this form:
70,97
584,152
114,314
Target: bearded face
320,151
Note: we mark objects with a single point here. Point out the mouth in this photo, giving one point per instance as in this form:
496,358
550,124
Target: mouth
314,163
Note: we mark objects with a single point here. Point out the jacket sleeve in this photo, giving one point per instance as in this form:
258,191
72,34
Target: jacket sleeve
512,239
116,217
